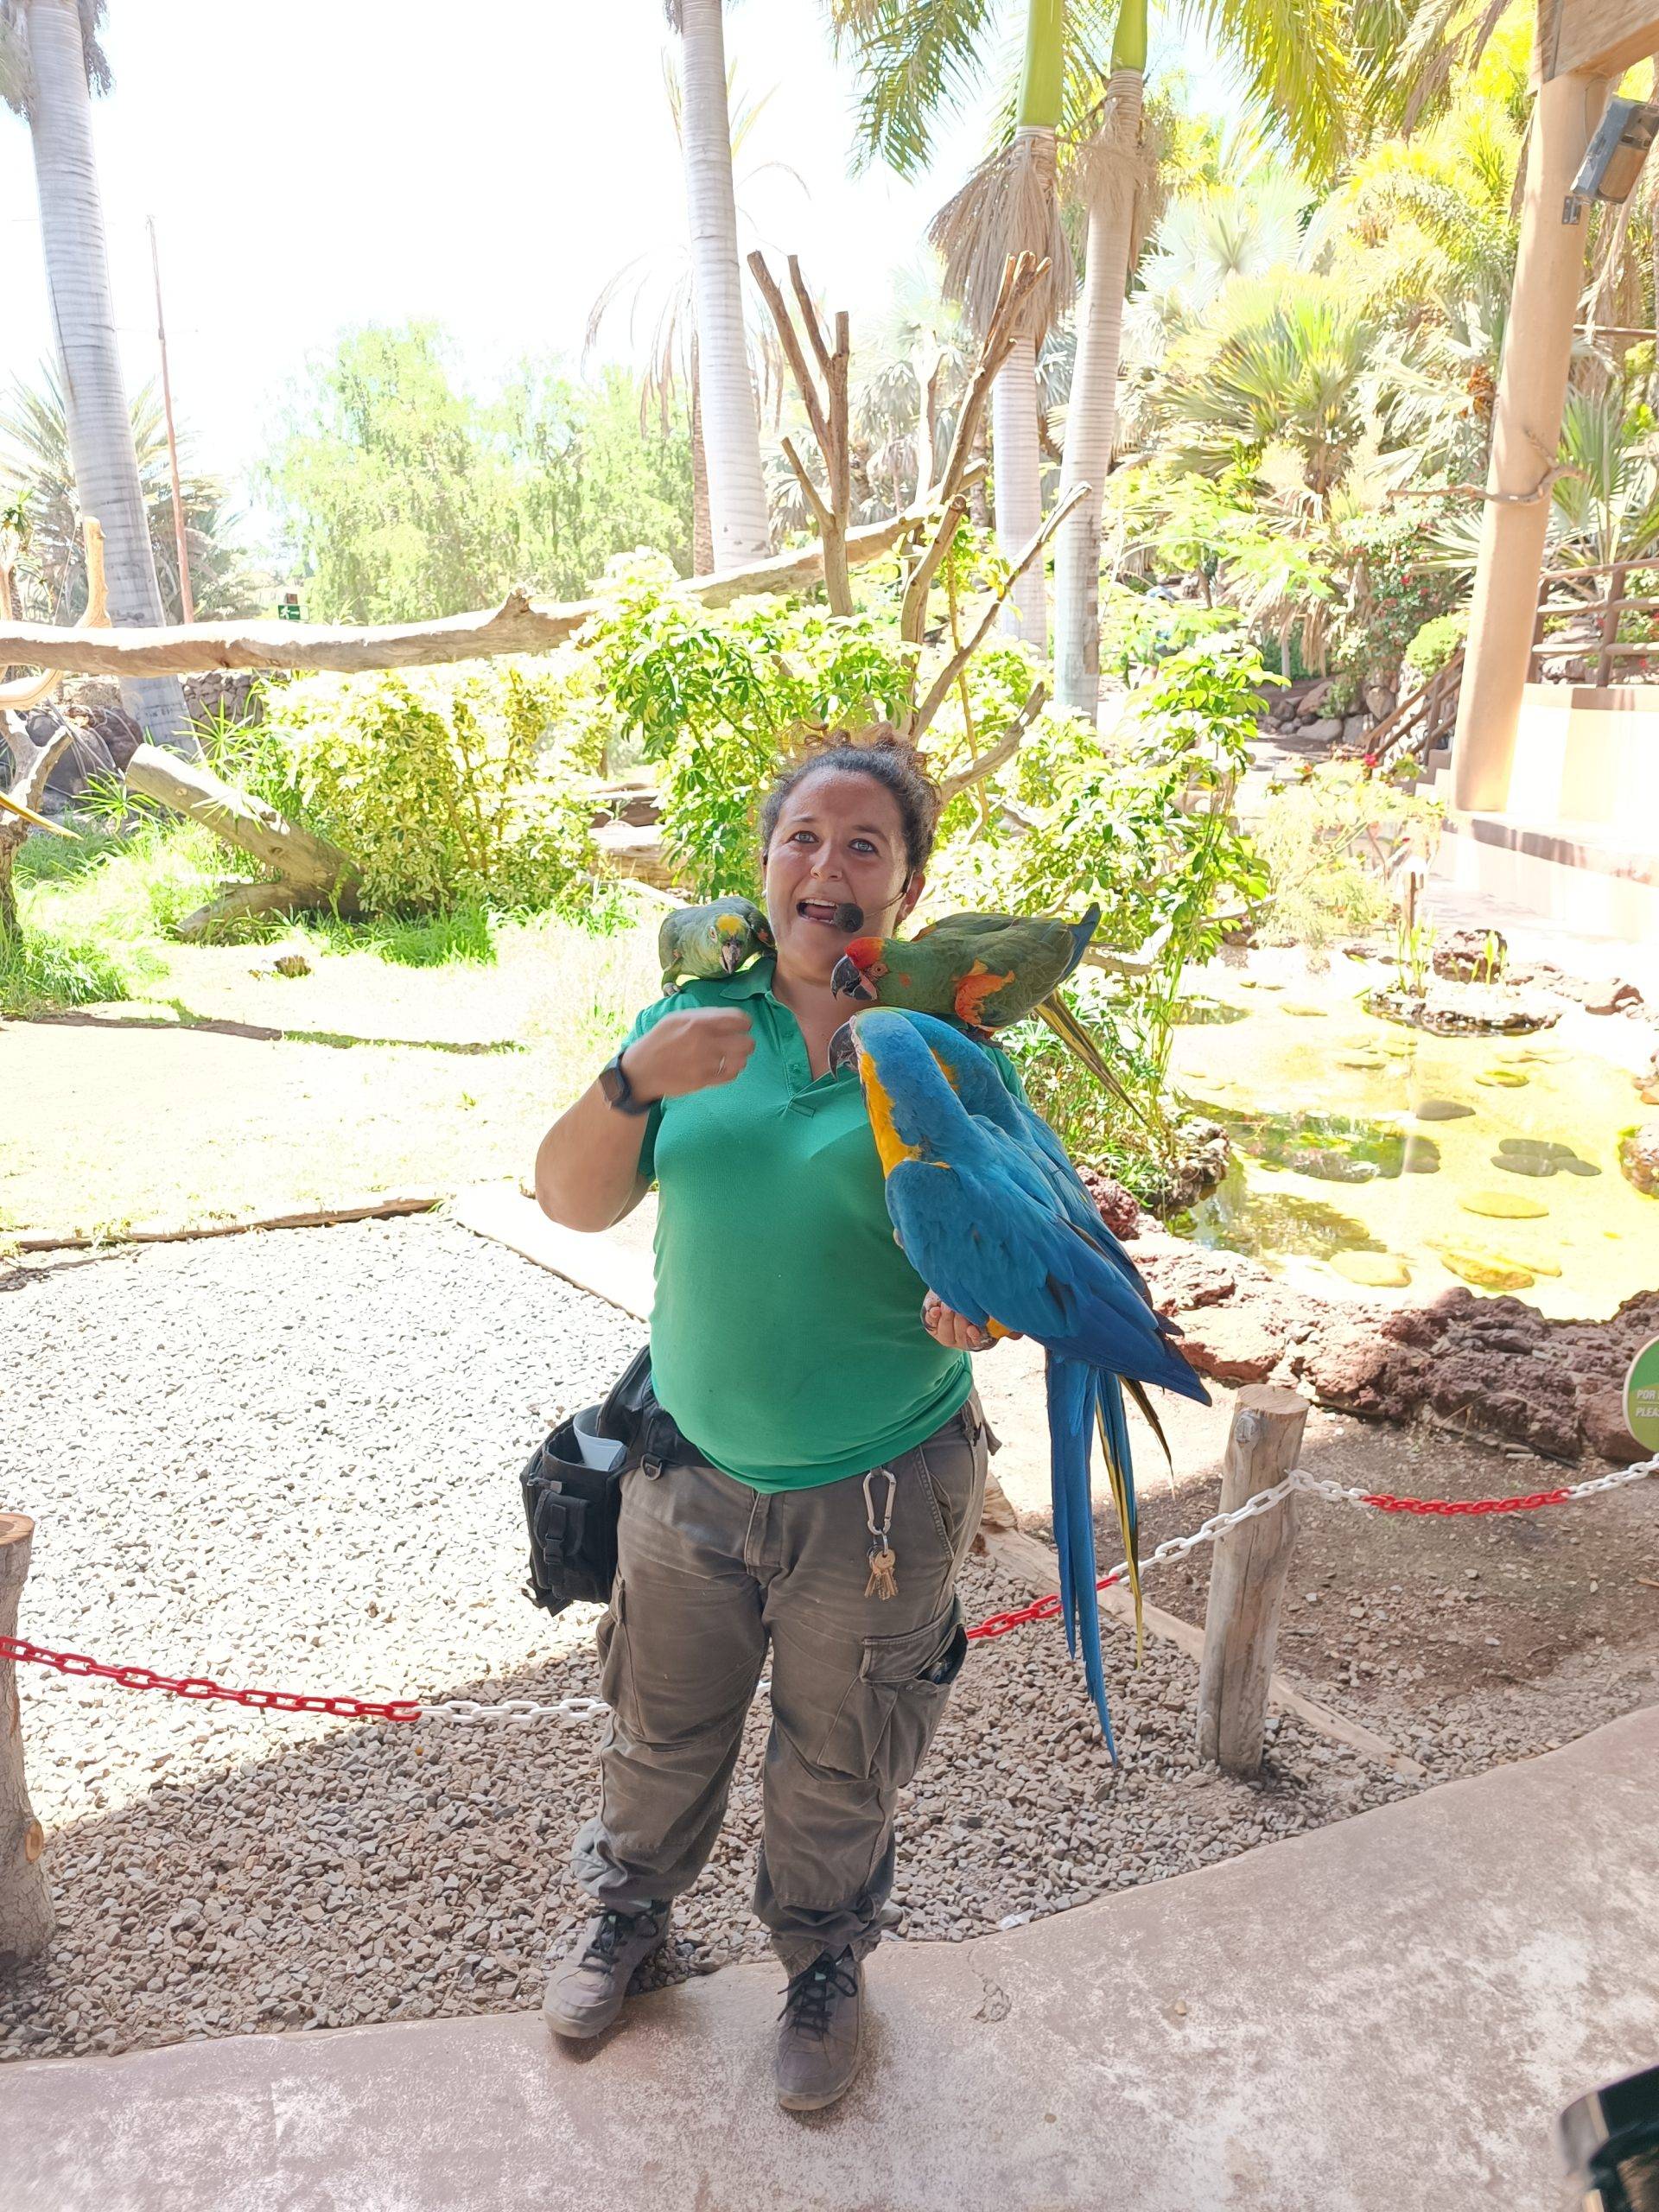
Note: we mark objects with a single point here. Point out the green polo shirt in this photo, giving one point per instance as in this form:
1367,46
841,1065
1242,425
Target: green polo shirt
786,1339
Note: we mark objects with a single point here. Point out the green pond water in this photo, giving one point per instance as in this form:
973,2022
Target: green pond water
1376,1161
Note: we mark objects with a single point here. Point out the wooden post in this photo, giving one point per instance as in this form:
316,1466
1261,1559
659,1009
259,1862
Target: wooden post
26,1916
1246,1582
1612,608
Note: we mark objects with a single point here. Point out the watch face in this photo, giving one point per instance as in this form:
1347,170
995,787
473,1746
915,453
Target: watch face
613,1083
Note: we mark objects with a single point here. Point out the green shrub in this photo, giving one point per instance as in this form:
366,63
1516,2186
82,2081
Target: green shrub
444,786
1431,648
40,972
1327,841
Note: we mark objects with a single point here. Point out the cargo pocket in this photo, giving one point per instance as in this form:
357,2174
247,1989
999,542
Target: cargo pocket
615,1662
953,1463
886,1718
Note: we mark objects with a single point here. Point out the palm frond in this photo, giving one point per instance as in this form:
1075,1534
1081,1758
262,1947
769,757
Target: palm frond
914,65
1007,205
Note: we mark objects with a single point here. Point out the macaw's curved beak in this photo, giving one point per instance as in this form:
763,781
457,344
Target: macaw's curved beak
731,952
847,981
843,1051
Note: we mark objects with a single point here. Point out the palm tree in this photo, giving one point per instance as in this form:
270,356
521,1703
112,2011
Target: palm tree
37,476
52,65
918,57
658,288
1009,205
727,416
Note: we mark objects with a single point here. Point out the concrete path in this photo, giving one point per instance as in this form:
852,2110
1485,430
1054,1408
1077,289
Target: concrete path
1386,2013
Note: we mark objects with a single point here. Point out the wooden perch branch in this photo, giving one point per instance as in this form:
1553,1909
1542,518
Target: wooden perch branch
519,624
996,756
826,411
977,637
32,691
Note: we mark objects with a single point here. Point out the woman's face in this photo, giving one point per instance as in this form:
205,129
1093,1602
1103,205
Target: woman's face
840,841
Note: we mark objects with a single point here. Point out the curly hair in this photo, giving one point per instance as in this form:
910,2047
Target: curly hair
885,758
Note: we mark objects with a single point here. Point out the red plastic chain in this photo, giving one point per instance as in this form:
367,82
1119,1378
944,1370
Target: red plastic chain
198,1686
1384,1503
407,1709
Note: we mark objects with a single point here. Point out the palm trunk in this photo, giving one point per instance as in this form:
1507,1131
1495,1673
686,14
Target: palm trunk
702,534
731,428
78,280
1017,487
1092,416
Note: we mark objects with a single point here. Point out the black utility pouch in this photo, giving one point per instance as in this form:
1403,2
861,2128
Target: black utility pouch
571,1508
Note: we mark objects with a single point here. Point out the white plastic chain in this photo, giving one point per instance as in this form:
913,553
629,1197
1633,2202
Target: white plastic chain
522,1710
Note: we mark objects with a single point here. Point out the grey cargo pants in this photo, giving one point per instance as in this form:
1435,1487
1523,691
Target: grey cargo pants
709,1574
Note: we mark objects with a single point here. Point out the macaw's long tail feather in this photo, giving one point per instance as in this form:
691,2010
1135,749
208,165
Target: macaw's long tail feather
1076,1040
1113,1428
1071,1402
1149,1414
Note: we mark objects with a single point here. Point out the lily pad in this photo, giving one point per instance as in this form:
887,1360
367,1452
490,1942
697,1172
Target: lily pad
1502,1078
1380,1270
1303,1008
1502,1205
1367,1063
1441,1109
1486,1270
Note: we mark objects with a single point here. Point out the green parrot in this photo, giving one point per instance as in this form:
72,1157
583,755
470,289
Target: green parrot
697,944
988,970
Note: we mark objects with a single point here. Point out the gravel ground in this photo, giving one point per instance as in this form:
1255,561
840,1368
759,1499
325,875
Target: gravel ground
289,1460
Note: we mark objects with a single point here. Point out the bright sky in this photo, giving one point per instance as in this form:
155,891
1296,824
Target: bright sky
489,167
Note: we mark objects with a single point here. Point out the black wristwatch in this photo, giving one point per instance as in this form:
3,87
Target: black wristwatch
619,1091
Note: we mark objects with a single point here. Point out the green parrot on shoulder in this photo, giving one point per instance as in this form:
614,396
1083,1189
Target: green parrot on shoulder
697,944
989,970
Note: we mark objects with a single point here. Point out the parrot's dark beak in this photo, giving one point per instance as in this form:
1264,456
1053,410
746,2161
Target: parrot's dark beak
844,1052
846,982
730,954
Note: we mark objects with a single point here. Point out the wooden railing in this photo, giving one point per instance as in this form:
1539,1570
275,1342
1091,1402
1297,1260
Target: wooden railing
1596,642
1419,723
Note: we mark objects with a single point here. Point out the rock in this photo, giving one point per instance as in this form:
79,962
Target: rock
1601,1415
1453,1010
1502,1205
1441,1109
1231,1343
1463,955
1355,726
1380,700
1382,1270
1118,1208
1639,1158
1524,1163
1612,996
1325,730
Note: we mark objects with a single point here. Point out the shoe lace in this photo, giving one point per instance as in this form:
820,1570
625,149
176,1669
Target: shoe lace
611,1930
813,1994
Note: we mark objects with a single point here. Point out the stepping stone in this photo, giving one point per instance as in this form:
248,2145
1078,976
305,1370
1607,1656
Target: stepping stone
1502,1205
1486,1270
1301,1007
1541,1147
1441,1109
1369,1063
1502,1078
1525,1163
1579,1167
1380,1270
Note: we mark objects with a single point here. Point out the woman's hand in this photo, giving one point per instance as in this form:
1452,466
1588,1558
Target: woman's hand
698,1050
955,1331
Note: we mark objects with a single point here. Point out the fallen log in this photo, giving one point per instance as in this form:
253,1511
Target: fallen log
519,624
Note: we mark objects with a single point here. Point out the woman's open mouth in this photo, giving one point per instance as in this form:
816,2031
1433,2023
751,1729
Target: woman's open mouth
844,915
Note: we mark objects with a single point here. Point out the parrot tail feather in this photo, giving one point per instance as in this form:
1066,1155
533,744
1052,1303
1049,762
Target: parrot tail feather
1149,1414
1120,1475
1077,1041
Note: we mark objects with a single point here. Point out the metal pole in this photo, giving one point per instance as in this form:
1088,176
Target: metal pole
185,595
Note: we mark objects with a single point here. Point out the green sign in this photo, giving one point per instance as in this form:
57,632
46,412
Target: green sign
1641,1396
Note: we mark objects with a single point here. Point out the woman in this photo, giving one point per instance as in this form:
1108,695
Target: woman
821,1515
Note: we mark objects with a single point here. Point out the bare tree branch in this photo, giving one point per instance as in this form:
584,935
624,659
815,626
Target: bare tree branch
997,755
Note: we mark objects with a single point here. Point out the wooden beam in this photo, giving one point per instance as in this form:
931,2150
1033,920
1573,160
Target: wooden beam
519,624
1593,38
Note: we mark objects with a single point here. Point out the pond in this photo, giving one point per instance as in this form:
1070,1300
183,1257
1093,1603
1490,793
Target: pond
1375,1161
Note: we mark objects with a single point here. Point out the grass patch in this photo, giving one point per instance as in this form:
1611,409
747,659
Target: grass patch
43,973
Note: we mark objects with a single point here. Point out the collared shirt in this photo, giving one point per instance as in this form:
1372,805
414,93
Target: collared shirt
786,1339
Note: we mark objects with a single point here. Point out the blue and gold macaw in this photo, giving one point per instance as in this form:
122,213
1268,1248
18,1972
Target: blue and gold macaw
992,1216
